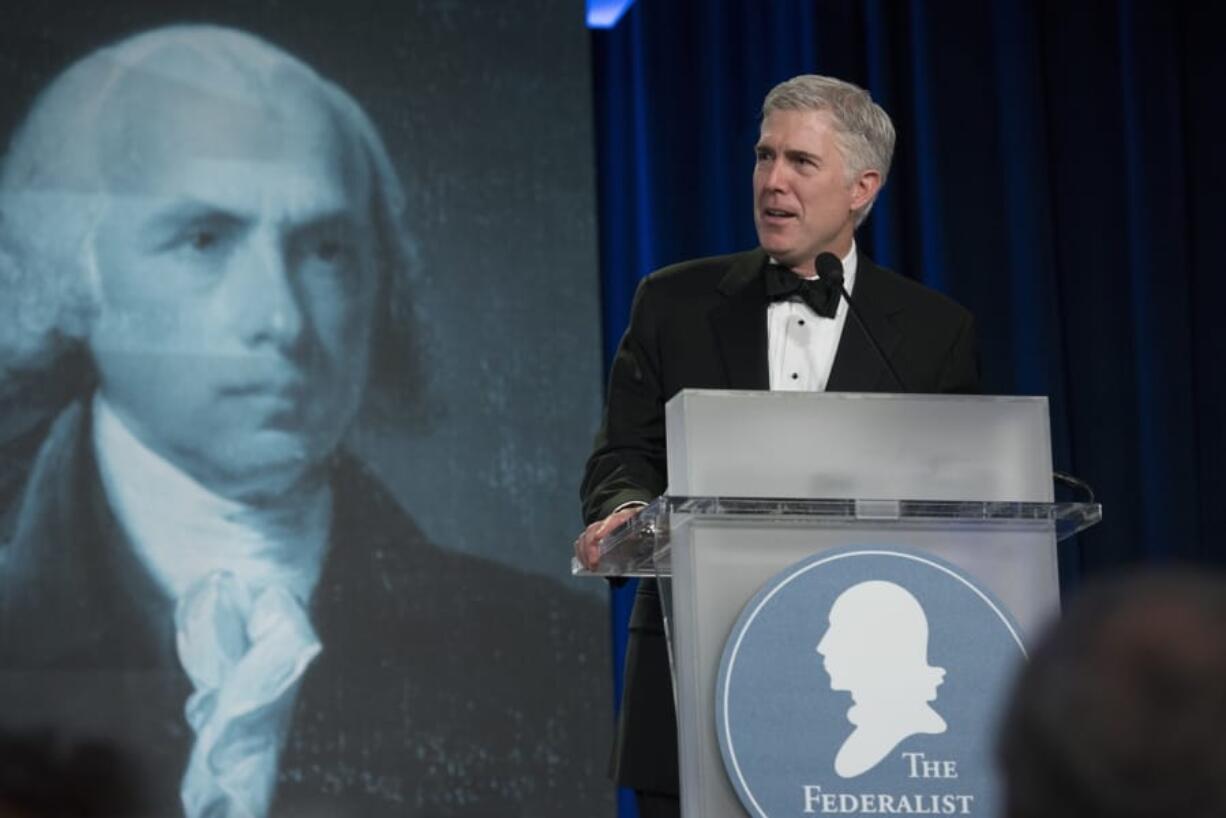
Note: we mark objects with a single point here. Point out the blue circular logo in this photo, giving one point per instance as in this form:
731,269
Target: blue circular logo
866,680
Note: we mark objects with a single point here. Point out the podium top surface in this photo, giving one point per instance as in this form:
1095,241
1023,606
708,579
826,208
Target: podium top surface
847,445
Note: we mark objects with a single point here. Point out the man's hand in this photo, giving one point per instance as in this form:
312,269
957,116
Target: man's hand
587,546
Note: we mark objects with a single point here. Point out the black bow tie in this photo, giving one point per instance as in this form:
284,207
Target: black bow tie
782,284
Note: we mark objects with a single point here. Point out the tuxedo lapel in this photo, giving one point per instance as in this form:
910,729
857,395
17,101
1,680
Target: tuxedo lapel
739,322
857,366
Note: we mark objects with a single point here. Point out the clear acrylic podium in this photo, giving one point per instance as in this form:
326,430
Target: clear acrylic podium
760,481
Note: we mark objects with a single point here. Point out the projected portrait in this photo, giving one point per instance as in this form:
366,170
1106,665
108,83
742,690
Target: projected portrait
876,648
204,259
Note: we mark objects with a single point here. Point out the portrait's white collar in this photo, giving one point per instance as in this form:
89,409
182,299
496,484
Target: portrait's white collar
182,531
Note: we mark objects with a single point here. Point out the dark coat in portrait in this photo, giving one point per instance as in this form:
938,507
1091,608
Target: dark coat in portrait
702,325
417,706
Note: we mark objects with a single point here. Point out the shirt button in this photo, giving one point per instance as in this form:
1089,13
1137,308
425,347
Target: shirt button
795,376
802,322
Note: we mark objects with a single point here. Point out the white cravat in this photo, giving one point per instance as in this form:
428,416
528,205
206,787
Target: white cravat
245,656
242,578
801,344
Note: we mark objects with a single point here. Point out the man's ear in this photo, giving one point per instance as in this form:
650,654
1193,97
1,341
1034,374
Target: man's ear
864,189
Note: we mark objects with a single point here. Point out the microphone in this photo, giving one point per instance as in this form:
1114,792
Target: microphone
830,270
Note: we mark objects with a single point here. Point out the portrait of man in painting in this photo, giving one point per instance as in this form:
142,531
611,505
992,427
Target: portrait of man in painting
204,262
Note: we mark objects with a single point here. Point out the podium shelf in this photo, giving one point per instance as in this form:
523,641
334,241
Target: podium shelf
639,548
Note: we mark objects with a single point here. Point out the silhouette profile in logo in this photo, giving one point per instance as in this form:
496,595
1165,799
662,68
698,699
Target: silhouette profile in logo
877,649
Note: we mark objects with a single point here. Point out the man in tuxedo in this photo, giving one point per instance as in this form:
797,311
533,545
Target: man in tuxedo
203,249
760,320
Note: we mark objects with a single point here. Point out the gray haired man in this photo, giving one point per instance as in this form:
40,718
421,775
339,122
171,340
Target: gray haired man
757,320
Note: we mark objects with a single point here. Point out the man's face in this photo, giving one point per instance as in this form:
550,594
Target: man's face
804,202
236,279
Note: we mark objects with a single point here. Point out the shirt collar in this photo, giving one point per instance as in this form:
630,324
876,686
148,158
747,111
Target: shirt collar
182,531
850,262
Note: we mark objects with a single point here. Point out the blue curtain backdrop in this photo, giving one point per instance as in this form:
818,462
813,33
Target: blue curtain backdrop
1059,171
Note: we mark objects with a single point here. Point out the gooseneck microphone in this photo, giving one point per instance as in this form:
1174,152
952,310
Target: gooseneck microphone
830,270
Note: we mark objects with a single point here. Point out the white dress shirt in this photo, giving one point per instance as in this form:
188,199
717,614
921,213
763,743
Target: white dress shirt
800,343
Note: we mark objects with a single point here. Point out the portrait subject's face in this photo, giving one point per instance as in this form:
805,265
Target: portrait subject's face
804,203
236,277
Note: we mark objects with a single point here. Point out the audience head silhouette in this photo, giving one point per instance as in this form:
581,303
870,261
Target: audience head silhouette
1122,711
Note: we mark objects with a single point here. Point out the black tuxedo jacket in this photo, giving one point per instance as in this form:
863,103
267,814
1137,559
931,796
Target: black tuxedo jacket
702,324
448,685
